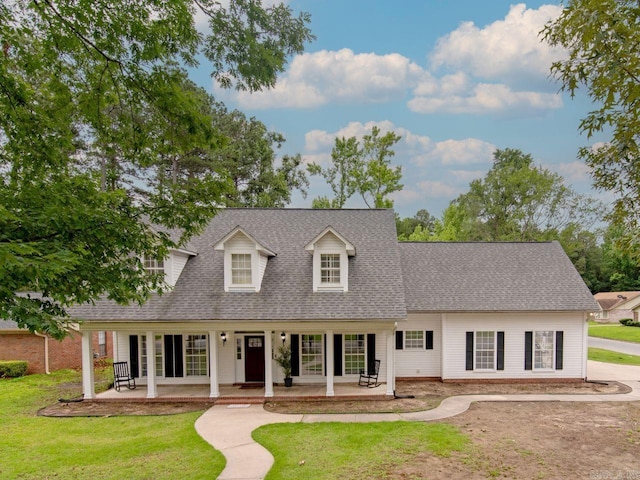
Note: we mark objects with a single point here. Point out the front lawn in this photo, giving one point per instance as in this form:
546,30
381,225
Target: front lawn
614,332
607,356
354,450
161,447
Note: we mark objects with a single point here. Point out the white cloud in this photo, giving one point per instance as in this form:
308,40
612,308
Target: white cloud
342,76
201,19
455,152
508,48
573,171
486,98
437,189
467,176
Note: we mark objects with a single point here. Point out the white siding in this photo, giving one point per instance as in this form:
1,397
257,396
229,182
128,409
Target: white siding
514,326
330,242
121,350
240,242
263,259
420,363
226,362
177,262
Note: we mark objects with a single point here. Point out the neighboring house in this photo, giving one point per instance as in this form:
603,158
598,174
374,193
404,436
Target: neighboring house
339,288
614,306
44,354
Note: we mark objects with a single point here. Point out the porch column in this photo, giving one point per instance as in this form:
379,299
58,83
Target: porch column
88,387
214,391
268,365
152,389
391,377
330,367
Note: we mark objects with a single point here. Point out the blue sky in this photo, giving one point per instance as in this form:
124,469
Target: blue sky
455,79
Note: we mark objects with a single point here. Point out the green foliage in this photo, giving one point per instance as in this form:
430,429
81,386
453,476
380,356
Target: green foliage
408,226
13,368
628,322
364,169
283,359
86,447
102,132
354,451
602,38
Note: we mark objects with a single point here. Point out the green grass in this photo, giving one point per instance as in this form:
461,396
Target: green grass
615,332
607,356
353,451
160,447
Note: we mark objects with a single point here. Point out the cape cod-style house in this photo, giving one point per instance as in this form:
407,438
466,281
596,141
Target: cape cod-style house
338,287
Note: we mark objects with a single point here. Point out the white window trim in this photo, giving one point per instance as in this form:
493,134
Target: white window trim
184,355
494,368
323,353
318,286
553,352
344,354
229,286
404,339
159,352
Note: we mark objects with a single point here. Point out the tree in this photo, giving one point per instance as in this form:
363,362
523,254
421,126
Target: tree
248,158
517,200
363,169
407,226
101,132
602,38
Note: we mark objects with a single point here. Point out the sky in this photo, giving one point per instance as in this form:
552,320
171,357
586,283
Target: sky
456,80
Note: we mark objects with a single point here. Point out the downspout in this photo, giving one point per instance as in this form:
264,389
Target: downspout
46,352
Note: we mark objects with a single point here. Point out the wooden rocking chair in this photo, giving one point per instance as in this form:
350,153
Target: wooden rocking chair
121,376
370,378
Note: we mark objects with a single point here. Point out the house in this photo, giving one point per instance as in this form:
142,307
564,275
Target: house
44,354
614,306
338,287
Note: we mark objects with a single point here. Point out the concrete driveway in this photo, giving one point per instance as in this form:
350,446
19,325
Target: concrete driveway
615,345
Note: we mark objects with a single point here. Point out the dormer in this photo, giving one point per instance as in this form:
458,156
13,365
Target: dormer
330,261
170,266
245,261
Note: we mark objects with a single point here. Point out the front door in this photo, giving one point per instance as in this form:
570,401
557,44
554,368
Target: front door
254,358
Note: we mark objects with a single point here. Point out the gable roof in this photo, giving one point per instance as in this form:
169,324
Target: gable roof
351,249
376,290
611,300
492,277
219,245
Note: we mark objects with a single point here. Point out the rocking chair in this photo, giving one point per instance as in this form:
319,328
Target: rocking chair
121,376
370,378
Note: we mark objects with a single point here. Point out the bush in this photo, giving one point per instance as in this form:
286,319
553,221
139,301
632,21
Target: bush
628,322
12,368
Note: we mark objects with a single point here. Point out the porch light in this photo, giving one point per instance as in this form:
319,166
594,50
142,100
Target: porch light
223,337
283,336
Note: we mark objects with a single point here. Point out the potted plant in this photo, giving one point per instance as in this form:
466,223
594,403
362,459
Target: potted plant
283,359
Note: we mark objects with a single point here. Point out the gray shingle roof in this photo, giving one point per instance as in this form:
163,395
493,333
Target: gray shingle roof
477,277
375,278
8,325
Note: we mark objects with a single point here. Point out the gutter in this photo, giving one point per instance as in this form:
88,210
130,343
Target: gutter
46,352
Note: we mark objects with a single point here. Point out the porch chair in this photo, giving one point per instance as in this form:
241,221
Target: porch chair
121,376
370,378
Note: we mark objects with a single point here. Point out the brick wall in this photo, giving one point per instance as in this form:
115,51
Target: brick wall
62,354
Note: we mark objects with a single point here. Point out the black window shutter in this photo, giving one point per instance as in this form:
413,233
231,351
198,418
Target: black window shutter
133,355
179,361
295,355
168,355
337,355
528,350
371,352
399,342
559,348
500,360
428,340
469,351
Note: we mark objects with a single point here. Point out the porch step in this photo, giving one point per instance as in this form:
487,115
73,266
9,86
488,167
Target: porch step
235,400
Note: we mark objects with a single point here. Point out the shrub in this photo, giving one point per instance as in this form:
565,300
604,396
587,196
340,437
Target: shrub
628,322
12,368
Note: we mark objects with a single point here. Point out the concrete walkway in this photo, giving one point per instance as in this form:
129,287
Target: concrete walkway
228,427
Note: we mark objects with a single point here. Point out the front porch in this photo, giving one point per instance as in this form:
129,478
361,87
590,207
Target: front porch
243,394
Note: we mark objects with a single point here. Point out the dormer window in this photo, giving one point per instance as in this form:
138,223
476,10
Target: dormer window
331,252
153,266
241,268
245,261
330,268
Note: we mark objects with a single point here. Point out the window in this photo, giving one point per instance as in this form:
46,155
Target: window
153,266
143,355
354,353
543,349
102,344
241,268
196,355
311,361
485,350
414,339
330,268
